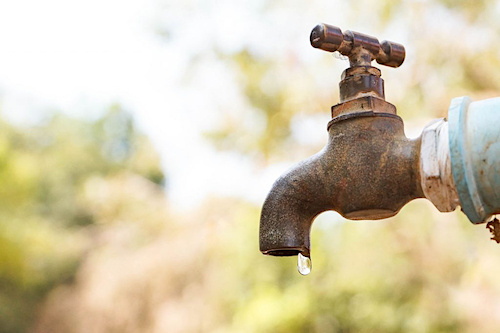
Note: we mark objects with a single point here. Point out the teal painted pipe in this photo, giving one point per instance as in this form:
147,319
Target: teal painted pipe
474,141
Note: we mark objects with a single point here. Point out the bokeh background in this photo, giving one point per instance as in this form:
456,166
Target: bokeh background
138,139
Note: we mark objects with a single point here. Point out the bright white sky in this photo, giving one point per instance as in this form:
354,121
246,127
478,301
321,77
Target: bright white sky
82,56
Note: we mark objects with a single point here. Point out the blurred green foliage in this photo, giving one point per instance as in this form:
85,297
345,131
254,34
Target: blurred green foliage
270,101
43,172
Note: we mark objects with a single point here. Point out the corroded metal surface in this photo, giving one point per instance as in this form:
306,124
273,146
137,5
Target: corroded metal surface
368,170
361,83
494,227
360,48
363,104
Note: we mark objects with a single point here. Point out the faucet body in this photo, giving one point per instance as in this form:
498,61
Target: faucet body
367,170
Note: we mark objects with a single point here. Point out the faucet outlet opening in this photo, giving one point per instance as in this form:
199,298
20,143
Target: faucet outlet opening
282,252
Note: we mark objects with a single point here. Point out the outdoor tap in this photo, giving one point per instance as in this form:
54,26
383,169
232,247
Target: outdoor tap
369,169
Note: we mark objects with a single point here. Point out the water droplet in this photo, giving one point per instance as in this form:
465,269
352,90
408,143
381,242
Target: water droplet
304,264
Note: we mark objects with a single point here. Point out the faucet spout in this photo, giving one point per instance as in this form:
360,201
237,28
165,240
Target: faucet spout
367,170
295,199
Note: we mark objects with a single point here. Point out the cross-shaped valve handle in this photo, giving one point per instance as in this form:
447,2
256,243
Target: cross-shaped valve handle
360,48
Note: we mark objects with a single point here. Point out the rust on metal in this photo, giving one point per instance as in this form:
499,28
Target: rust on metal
362,104
368,170
360,48
361,81
494,227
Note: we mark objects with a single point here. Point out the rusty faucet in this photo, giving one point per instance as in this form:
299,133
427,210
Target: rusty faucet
369,169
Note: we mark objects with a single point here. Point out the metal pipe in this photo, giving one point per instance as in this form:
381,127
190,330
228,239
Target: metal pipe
460,159
475,155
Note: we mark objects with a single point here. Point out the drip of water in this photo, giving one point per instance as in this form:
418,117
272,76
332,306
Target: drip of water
304,264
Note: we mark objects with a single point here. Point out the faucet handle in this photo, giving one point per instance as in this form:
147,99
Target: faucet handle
360,48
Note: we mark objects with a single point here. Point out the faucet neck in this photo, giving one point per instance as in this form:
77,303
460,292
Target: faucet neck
361,81
361,93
